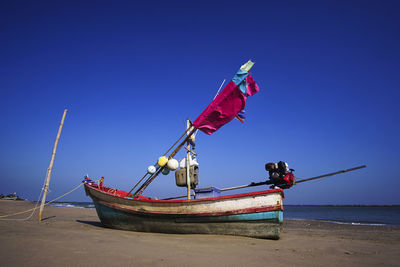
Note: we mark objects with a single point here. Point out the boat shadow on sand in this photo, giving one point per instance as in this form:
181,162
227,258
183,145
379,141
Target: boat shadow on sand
92,223
48,218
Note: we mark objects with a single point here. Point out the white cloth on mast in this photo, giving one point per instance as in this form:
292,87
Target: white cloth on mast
192,162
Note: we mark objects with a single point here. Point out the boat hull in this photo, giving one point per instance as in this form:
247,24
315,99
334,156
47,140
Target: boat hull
258,214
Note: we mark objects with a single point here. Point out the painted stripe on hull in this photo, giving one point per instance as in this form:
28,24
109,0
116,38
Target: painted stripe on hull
272,216
196,214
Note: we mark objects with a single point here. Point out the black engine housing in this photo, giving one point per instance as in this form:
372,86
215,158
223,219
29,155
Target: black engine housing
277,171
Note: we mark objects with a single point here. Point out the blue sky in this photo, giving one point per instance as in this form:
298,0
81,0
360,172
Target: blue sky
131,72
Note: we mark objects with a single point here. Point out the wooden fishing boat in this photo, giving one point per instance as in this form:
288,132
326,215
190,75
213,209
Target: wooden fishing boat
9,198
256,214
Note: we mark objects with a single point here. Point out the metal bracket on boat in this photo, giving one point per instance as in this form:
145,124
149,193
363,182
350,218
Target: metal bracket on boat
191,151
112,191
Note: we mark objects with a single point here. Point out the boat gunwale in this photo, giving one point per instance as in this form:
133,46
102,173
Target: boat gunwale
151,200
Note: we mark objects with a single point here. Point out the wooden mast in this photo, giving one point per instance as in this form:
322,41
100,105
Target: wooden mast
48,174
188,162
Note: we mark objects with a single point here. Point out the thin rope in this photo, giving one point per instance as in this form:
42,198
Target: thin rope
185,132
35,208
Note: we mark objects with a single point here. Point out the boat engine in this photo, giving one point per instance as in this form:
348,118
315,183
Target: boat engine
280,175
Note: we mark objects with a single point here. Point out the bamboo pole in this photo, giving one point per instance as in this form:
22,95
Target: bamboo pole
239,187
330,174
297,182
171,198
48,174
269,182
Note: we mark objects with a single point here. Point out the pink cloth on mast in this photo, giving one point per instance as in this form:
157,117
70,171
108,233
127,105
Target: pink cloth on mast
252,87
225,106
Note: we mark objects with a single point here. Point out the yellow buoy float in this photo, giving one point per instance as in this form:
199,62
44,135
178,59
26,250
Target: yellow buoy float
162,161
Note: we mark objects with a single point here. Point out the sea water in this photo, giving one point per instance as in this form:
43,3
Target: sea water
81,205
355,215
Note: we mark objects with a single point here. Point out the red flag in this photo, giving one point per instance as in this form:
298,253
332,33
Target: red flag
226,105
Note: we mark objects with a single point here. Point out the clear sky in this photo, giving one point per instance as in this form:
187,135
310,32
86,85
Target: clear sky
131,72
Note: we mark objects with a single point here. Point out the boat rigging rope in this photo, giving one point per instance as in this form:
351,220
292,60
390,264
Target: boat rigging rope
36,206
188,131
185,132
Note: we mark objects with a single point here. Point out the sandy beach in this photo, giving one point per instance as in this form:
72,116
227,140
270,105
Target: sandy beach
75,237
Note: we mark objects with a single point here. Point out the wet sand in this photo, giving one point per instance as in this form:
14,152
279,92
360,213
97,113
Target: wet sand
75,237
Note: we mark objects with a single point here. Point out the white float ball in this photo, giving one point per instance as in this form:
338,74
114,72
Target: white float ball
151,169
173,164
